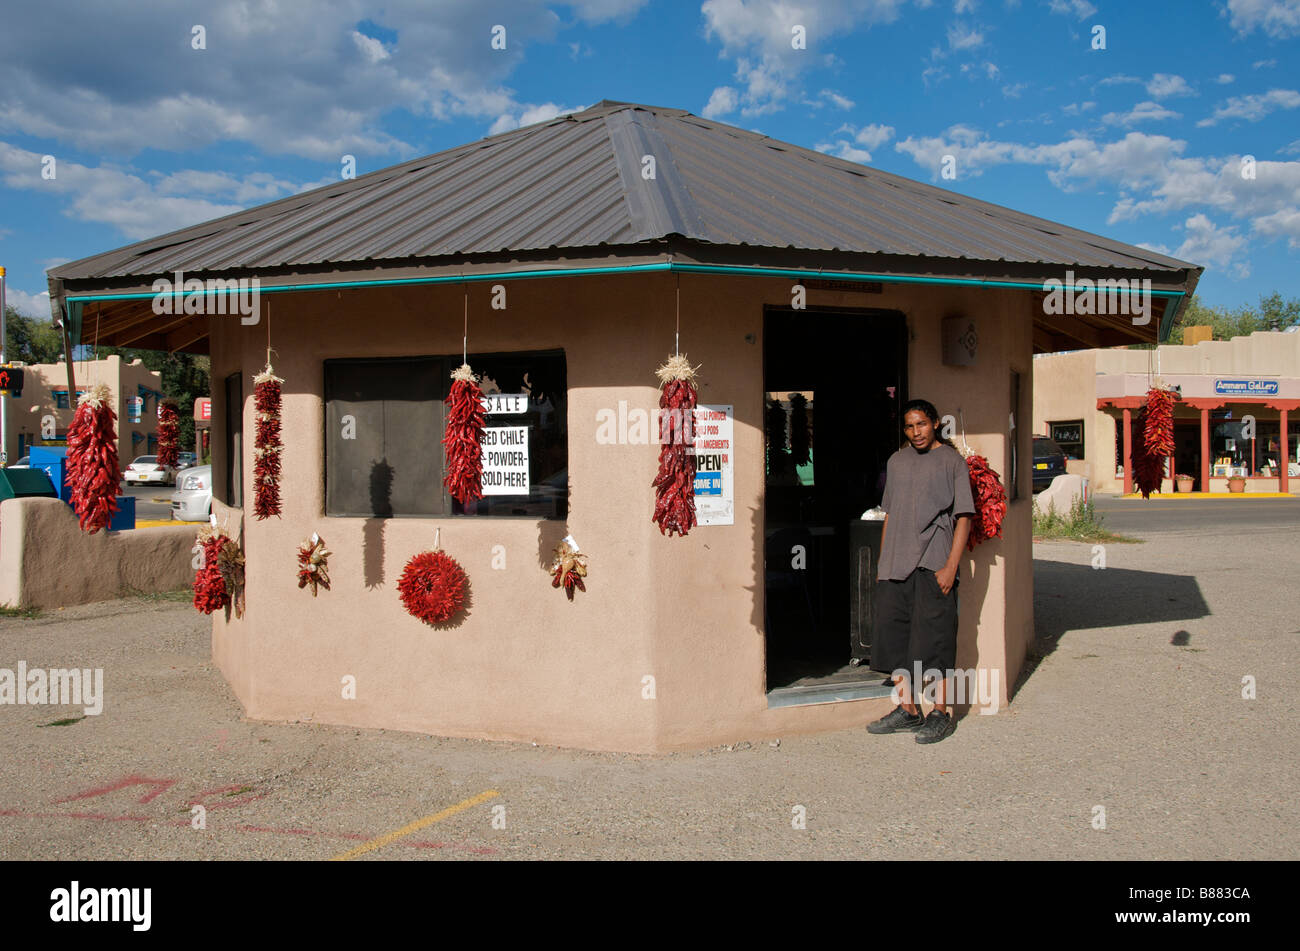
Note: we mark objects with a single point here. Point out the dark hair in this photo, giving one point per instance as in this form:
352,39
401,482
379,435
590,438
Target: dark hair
926,407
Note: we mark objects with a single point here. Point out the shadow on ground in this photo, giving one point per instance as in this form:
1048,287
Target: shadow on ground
1070,597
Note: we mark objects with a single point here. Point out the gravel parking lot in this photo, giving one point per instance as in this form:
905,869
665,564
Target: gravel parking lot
1134,704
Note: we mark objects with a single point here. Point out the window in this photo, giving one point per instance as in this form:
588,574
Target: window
384,422
1069,436
60,399
234,440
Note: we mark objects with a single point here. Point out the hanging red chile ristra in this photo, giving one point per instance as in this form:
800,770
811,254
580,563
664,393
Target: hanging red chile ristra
169,430
267,444
93,474
464,437
1157,423
675,483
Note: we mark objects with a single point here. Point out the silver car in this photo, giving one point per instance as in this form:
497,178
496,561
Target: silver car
192,500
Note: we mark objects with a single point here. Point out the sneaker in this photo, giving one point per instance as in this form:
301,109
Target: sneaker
937,726
895,721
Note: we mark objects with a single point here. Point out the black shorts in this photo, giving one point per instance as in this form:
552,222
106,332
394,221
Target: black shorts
914,621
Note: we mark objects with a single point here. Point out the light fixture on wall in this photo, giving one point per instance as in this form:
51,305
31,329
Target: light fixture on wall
960,341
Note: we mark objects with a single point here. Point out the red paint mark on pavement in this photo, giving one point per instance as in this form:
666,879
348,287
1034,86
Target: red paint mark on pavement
226,802
160,786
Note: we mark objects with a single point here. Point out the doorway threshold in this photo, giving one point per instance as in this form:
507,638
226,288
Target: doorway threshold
865,689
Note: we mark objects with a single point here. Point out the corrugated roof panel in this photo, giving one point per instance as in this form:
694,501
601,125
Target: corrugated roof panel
576,182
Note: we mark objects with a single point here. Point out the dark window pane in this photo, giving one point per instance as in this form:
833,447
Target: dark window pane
384,421
234,440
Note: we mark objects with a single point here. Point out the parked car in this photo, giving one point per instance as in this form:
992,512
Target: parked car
24,463
146,470
185,460
192,500
1049,462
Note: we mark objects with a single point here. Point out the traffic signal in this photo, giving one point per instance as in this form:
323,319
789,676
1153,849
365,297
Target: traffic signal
11,381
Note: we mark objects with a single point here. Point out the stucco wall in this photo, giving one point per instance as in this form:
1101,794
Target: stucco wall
37,402
527,664
47,561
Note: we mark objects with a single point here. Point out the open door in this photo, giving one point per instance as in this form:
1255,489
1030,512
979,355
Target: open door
833,386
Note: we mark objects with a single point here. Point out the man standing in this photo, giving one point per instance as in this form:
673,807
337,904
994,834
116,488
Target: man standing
928,509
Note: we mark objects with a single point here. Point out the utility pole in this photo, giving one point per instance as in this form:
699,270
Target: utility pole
4,400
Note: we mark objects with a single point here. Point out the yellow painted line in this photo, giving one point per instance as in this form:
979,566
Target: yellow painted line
1223,496
415,826
159,522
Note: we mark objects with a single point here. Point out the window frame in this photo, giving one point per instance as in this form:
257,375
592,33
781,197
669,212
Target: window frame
444,364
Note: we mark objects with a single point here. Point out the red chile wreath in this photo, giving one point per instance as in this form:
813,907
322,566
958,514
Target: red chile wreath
675,483
267,445
464,437
433,586
93,473
169,430
990,501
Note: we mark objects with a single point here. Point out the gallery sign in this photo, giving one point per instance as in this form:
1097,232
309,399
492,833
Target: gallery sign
714,466
1245,387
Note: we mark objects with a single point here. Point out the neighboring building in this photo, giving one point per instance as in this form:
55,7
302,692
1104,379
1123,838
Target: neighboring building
1237,398
566,253
41,416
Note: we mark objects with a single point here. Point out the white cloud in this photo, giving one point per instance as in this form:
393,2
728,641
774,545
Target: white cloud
1013,90
1150,172
139,206
758,34
371,48
1119,79
1142,112
1078,8
1208,244
722,102
962,37
1253,108
286,78
1078,108
530,115
1277,18
1225,78
1164,85
30,305
874,136
1291,149
1263,64
844,150
840,102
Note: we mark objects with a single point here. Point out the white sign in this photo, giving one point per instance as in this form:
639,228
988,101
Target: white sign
505,460
134,407
714,466
505,403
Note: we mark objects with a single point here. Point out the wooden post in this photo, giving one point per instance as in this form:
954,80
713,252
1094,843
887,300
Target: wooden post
1205,449
1285,484
1128,451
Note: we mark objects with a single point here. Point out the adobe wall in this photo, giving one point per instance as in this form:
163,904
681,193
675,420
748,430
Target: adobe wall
526,664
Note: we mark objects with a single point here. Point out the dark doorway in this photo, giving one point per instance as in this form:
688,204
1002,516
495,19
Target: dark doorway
833,382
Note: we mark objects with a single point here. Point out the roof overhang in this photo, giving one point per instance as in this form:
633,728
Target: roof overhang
141,312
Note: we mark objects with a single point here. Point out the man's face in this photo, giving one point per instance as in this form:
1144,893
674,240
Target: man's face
918,429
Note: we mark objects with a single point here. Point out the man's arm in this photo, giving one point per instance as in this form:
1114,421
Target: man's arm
948,573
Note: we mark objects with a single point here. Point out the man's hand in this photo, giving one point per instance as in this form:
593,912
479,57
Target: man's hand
946,576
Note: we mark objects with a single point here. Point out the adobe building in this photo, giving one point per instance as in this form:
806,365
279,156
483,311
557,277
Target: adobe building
568,258
42,415
1236,400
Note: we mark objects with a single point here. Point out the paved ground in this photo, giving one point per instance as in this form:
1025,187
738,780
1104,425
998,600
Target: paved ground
1194,517
1135,706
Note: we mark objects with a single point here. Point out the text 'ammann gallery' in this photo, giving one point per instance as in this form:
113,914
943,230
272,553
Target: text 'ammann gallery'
566,260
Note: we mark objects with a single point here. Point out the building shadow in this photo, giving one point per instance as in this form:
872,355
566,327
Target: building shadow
1070,597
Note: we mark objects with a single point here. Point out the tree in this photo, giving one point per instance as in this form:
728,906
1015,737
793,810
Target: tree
1273,313
31,339
185,378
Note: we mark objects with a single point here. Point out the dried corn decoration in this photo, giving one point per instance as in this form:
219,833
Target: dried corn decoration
464,437
267,445
93,474
568,568
313,564
675,483
219,579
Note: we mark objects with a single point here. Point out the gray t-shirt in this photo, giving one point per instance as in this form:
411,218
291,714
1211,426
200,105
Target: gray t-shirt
924,494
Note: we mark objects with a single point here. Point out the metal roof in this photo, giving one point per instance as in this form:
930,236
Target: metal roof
577,182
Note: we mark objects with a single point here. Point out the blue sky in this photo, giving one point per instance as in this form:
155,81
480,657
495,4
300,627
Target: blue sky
1144,141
